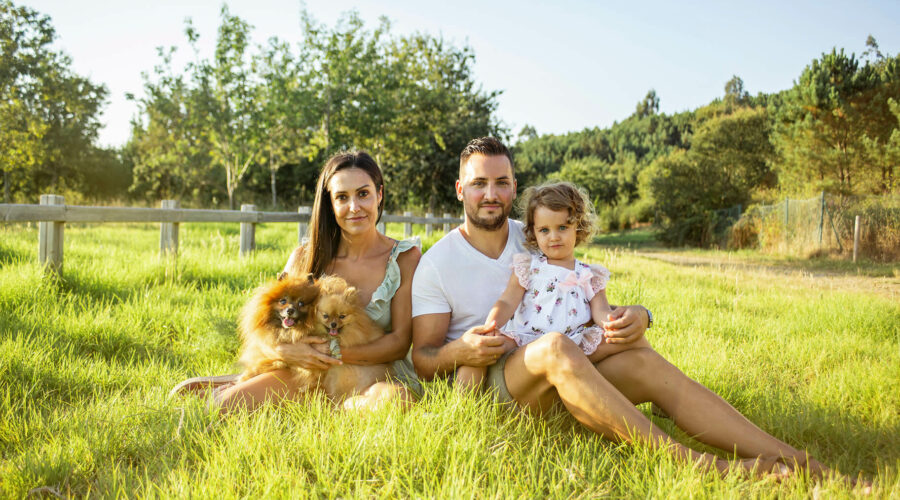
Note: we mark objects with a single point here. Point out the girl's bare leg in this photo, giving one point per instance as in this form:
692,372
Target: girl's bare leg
275,385
469,378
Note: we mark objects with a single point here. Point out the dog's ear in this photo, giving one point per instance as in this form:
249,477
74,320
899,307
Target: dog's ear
351,295
282,275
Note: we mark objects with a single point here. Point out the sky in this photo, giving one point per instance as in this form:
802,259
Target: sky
561,66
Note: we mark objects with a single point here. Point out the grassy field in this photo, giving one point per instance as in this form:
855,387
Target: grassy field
86,362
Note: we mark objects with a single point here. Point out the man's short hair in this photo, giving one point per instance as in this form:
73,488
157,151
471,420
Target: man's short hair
485,146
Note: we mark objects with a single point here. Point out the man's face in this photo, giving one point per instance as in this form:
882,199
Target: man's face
487,189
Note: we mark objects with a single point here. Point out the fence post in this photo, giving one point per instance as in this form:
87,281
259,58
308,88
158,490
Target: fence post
447,224
855,237
786,221
381,228
168,231
248,233
303,227
429,226
50,237
821,219
407,226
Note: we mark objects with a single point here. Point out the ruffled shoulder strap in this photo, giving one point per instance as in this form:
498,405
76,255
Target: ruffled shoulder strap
380,303
522,268
599,277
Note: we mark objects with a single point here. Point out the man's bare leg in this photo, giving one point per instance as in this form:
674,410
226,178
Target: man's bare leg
553,367
642,375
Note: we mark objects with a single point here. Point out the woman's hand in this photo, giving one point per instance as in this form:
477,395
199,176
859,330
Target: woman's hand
310,353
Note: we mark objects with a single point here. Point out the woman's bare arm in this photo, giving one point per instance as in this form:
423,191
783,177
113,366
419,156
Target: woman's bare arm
396,344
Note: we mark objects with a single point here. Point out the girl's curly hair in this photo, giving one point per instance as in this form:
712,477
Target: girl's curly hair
558,196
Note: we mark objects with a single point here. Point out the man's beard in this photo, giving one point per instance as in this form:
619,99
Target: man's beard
487,223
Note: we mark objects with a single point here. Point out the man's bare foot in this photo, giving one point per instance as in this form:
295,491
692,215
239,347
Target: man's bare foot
818,472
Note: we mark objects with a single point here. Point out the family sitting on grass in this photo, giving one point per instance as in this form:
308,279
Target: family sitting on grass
505,307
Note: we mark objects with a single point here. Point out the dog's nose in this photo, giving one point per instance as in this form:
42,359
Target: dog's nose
290,311
334,324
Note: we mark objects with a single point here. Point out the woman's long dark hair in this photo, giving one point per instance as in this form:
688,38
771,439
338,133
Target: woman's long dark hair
324,233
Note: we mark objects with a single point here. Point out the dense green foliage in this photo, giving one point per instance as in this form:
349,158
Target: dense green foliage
49,117
836,130
86,361
265,122
253,124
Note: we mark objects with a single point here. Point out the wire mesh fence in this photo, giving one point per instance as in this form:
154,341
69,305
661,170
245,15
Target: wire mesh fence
822,225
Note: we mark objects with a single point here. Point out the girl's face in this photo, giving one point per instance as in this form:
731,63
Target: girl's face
554,234
355,200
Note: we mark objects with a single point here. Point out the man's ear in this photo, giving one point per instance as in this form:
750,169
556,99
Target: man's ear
515,188
459,188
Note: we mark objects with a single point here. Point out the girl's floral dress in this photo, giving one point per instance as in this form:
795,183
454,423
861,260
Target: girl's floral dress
556,300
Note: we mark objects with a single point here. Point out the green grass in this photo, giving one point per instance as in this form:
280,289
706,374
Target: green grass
86,362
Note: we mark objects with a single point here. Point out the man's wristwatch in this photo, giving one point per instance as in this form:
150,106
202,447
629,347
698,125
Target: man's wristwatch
649,317
335,348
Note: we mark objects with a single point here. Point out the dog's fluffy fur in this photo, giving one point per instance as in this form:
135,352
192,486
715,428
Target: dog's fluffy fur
327,308
340,315
280,312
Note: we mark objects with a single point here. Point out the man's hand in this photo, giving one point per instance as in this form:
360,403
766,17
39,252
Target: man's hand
626,324
477,347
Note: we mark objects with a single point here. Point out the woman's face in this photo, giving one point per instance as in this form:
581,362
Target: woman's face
355,200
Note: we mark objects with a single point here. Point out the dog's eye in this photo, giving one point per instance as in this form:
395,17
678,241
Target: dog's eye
282,302
299,303
324,315
343,316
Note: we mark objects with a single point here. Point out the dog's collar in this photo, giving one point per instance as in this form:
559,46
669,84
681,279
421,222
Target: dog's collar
335,348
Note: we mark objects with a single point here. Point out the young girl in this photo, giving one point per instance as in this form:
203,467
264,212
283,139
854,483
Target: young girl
550,291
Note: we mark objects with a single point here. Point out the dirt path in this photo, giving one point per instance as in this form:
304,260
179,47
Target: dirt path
884,286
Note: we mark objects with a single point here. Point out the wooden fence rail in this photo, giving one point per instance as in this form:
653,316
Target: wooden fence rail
52,213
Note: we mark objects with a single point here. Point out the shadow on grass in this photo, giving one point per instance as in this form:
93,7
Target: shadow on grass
10,255
831,436
96,290
642,238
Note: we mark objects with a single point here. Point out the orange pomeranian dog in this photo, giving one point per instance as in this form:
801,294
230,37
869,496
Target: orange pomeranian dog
280,312
341,318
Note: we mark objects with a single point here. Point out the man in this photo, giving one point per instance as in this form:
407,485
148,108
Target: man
462,275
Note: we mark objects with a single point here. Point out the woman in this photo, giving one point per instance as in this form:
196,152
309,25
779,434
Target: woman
344,241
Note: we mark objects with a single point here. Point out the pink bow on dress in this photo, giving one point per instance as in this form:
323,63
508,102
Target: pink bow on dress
574,280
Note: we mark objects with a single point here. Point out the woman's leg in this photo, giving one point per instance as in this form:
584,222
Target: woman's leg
275,385
643,375
379,394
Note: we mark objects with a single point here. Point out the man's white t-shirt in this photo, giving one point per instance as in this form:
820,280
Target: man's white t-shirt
453,277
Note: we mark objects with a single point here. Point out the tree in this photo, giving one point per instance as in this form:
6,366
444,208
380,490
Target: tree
48,114
225,90
284,101
822,124
648,106
735,95
169,146
440,109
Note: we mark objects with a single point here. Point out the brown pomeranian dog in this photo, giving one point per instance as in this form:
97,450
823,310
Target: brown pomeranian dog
280,312
341,318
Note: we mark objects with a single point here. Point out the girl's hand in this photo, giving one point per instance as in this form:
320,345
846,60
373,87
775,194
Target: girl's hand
508,343
310,353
